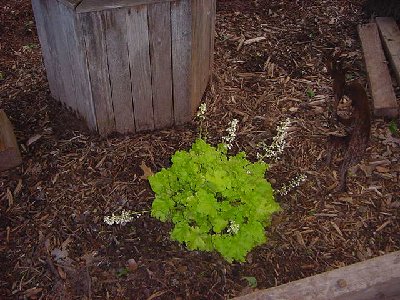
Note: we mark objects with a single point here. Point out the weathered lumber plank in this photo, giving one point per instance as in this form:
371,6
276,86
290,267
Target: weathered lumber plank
64,28
42,26
213,14
58,42
377,278
196,54
139,60
83,92
10,156
205,44
96,5
390,34
93,29
181,20
118,64
57,88
380,82
160,52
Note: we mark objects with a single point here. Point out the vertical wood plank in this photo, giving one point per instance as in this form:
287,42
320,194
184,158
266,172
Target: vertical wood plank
46,7
93,29
139,61
39,10
64,27
118,63
160,51
196,51
205,44
63,67
213,14
83,91
181,21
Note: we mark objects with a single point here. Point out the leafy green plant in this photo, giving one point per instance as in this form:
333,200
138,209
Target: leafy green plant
310,93
215,201
122,272
252,281
393,127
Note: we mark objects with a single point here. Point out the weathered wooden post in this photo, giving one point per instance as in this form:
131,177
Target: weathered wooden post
127,65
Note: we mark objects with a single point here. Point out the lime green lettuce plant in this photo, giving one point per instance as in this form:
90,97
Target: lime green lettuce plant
215,201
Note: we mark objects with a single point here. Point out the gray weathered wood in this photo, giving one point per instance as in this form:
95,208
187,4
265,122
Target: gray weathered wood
377,278
65,30
139,67
118,64
380,82
49,59
49,17
70,3
181,21
96,5
83,89
390,34
10,156
205,43
93,28
63,66
139,60
160,51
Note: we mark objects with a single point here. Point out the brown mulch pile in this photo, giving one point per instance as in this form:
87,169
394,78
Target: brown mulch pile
53,241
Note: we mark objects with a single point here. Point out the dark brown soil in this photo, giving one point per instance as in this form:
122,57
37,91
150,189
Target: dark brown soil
53,205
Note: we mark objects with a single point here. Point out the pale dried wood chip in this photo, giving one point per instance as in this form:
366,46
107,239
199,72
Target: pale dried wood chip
383,226
254,40
10,198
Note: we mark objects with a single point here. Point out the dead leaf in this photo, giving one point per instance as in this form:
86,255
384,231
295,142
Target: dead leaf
33,139
367,170
146,171
18,188
382,169
29,293
62,273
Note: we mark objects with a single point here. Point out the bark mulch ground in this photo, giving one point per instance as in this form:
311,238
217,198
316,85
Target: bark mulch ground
53,241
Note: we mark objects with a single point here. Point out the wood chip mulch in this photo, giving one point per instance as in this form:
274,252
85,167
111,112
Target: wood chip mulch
269,66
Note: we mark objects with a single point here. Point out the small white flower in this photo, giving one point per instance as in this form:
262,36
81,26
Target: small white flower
278,143
202,111
122,219
232,129
233,227
295,182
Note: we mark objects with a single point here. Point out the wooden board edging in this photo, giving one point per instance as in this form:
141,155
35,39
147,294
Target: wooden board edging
380,81
390,35
10,156
376,278
97,5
